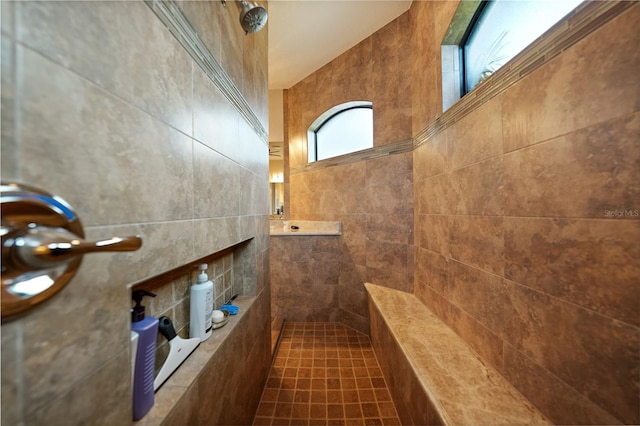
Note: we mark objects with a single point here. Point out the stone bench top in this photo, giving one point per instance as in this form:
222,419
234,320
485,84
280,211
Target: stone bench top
462,388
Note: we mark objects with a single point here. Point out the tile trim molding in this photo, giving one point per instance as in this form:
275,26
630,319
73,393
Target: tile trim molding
366,154
174,19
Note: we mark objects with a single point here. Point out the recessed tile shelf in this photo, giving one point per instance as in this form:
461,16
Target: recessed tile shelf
169,396
306,228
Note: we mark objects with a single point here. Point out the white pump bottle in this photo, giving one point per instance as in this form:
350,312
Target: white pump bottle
201,306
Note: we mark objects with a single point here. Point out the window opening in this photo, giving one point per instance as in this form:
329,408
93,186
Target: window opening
484,35
343,129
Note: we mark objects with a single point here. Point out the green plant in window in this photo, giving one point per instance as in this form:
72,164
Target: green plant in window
492,59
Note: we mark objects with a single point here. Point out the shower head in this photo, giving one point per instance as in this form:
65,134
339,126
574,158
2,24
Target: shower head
253,17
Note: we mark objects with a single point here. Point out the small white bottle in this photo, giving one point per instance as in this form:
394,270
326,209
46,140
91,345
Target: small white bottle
201,306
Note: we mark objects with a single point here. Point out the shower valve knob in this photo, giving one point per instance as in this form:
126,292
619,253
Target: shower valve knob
42,246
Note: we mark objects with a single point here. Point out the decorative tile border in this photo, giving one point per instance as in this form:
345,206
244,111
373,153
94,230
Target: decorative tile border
172,16
366,154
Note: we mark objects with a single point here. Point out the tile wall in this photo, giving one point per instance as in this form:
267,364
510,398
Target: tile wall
518,246
305,274
372,198
516,225
102,106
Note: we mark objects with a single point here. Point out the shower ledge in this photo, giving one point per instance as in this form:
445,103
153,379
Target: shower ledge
306,228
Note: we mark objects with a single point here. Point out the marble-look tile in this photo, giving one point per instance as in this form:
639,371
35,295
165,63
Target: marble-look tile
63,351
125,157
354,321
123,48
478,241
478,293
300,183
253,152
7,21
388,256
389,199
9,147
478,188
427,94
390,170
307,249
206,19
254,200
333,202
87,402
432,269
477,136
321,180
185,411
216,123
165,246
435,302
432,158
432,233
397,279
560,402
595,355
567,93
351,275
12,389
216,374
463,389
410,398
592,263
390,228
352,300
485,341
90,343
433,195
582,174
222,197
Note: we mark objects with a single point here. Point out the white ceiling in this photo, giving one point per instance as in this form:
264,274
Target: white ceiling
304,35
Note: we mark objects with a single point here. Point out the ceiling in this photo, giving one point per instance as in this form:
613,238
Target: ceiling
304,35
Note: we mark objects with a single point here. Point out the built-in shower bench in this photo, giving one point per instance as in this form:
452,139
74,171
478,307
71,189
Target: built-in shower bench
433,375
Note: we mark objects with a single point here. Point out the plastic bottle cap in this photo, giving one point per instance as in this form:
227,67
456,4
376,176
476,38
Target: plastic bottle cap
203,278
137,313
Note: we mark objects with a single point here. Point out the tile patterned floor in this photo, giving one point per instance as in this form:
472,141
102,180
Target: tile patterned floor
325,374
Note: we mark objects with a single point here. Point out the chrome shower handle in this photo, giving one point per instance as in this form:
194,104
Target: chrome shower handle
44,247
42,242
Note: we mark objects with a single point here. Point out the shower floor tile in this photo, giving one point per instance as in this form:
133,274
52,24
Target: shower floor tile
325,374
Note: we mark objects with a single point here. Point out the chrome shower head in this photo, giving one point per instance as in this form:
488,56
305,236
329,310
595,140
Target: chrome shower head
253,17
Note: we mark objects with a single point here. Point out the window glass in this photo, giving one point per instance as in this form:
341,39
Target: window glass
504,29
341,130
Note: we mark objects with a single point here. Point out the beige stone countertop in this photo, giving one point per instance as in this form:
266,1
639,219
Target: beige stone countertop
463,389
307,227
186,375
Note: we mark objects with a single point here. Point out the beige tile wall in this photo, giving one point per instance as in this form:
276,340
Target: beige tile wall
374,201
519,245
515,249
305,272
102,106
373,198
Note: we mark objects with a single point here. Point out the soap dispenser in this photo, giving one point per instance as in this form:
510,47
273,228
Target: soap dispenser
147,329
200,325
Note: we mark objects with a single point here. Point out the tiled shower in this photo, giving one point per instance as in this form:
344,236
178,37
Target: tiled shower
508,221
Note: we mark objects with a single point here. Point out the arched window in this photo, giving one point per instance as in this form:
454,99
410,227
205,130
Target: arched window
341,130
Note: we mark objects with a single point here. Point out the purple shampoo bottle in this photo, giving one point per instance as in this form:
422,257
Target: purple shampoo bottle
147,329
